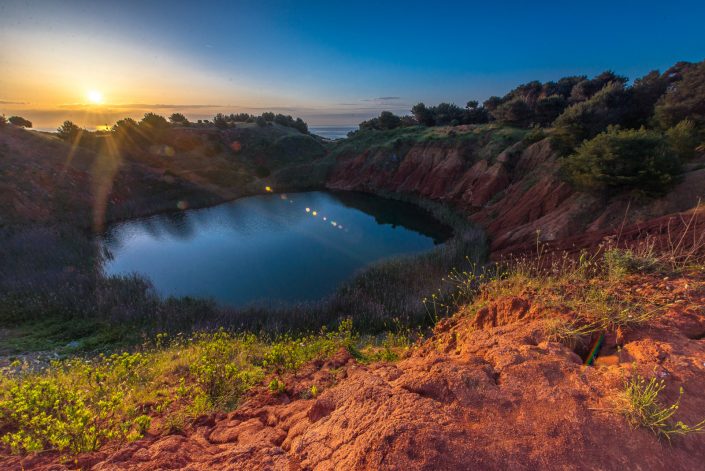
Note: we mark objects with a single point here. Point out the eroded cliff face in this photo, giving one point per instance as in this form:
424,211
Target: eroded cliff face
516,196
511,195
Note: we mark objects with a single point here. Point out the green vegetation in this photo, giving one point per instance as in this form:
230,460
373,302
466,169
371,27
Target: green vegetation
78,404
622,160
641,407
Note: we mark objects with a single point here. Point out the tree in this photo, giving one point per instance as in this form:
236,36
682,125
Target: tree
620,160
153,127
645,92
685,98
492,103
3,120
301,125
388,120
423,115
586,89
515,112
221,121
153,121
547,109
126,132
446,113
683,139
588,118
268,116
68,131
20,121
178,118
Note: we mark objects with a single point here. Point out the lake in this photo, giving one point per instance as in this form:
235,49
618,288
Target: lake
269,249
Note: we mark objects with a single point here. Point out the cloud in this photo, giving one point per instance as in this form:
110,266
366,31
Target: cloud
5,102
383,98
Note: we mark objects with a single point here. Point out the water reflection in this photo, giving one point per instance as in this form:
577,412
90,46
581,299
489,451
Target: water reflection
269,248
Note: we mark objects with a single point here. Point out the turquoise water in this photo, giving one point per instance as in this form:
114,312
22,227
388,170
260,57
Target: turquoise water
269,249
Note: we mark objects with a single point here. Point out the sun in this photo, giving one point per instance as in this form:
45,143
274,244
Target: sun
94,96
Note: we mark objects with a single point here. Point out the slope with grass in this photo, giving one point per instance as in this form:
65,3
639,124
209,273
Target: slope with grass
501,384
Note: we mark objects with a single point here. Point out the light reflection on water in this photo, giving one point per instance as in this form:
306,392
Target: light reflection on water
269,248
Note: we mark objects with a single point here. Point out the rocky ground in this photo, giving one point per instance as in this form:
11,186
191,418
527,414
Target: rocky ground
487,391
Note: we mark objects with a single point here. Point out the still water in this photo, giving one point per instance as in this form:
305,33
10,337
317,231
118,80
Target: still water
269,249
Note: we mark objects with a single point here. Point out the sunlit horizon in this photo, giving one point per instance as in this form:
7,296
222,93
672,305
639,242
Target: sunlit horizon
95,63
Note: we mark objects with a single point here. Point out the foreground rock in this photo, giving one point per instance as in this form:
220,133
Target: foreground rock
487,391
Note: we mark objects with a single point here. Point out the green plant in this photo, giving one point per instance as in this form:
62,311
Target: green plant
277,386
642,408
77,407
621,160
683,139
222,369
621,262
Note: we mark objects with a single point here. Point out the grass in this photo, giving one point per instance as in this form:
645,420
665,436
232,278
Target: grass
586,286
642,408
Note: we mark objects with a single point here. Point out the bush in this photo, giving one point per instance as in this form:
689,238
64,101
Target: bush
618,160
3,120
76,407
20,121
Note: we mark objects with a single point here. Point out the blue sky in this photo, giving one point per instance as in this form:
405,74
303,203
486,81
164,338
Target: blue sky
330,62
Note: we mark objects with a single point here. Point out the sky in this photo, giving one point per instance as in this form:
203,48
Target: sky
329,62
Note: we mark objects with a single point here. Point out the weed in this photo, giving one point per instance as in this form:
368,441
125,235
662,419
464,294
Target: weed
642,409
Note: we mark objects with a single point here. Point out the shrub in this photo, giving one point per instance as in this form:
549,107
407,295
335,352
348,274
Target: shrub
222,369
20,121
3,120
618,160
76,407
535,135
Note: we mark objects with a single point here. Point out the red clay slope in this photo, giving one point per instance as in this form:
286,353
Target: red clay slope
512,197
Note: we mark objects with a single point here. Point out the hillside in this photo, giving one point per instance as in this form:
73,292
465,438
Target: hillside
508,186
566,354
47,180
501,384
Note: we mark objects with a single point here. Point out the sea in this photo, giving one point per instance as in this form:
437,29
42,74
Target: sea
332,132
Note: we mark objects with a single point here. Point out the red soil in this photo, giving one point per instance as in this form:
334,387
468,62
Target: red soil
485,392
